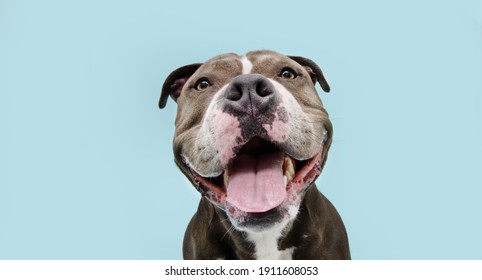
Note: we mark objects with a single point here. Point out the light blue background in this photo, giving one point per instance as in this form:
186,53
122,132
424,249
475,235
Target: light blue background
86,168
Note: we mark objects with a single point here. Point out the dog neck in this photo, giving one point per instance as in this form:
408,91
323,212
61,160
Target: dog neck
266,246
276,243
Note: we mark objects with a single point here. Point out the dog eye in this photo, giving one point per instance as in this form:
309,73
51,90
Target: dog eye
202,84
288,73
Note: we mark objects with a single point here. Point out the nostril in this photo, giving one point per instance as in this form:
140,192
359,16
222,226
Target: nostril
234,93
249,89
263,89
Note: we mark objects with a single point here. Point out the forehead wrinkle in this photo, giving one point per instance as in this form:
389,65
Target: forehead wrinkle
224,65
268,62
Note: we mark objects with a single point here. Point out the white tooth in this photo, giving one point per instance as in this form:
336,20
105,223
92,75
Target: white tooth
288,167
291,169
225,177
286,163
285,180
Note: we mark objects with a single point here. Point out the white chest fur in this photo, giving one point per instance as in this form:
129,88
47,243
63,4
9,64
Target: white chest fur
266,246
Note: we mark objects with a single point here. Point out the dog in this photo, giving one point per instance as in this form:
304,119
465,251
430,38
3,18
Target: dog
252,135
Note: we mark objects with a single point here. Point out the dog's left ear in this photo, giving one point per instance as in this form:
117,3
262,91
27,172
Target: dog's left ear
314,70
175,82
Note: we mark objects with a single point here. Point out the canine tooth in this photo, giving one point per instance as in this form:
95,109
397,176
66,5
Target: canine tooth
286,162
289,177
291,169
285,180
225,178
288,168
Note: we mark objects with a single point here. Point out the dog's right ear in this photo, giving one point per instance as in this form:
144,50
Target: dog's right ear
175,82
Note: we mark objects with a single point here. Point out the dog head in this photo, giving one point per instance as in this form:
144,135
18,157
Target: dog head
251,133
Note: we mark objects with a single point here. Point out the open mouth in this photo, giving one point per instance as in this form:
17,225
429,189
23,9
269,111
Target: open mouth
259,178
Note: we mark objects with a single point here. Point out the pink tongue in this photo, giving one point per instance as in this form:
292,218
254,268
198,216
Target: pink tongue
256,185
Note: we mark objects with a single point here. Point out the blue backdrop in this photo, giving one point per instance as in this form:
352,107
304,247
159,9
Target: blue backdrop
86,165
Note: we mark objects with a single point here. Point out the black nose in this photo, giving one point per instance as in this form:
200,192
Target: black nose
250,92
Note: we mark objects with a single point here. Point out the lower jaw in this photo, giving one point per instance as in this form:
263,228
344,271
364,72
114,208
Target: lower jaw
256,222
294,191
277,217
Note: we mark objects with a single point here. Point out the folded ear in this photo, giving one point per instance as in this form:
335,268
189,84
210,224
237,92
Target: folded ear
314,70
175,82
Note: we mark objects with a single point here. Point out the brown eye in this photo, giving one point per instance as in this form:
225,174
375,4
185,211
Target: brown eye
288,73
202,84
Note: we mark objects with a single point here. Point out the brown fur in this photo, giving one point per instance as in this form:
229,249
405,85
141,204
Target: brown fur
318,231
